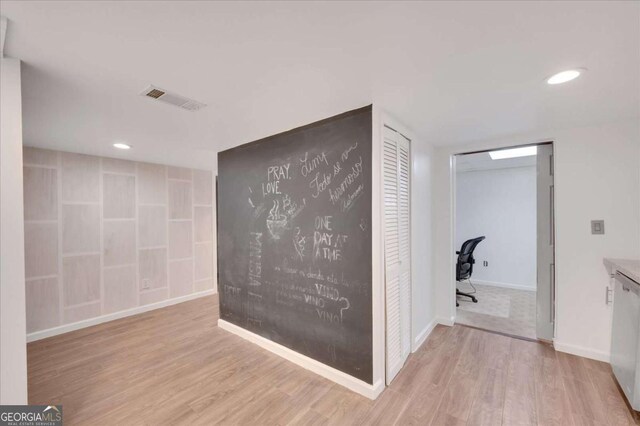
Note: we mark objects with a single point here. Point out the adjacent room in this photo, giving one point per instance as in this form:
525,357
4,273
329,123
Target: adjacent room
496,199
320,213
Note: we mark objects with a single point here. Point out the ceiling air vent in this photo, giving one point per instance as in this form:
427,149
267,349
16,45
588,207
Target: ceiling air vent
172,99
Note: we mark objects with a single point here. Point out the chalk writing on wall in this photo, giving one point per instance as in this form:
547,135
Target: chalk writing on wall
294,244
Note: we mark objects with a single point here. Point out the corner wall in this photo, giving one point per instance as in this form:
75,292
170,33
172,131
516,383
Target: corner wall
13,345
597,176
323,161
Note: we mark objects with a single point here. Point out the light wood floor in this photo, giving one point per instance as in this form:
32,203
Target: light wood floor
174,366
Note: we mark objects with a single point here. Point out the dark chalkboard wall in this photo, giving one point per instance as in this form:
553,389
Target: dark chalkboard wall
294,240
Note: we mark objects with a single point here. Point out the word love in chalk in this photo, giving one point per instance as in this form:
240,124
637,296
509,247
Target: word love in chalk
271,188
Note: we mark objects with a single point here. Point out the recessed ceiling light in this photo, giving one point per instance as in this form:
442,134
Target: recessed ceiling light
564,76
513,152
120,145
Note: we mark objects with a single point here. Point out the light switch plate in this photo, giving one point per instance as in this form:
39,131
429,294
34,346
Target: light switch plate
597,227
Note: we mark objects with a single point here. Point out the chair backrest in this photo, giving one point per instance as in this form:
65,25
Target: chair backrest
464,266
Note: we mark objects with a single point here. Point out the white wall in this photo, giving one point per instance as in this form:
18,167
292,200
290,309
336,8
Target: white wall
501,205
13,345
597,176
422,288
141,233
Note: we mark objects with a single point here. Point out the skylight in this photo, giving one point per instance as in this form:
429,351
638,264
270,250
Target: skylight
513,152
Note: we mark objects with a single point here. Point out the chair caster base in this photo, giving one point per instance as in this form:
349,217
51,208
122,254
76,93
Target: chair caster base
459,293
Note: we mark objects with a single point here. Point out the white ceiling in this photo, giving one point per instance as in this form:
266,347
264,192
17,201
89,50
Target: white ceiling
454,72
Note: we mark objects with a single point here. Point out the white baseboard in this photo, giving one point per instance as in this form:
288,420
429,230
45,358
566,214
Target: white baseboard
43,334
505,285
448,321
350,382
582,351
422,336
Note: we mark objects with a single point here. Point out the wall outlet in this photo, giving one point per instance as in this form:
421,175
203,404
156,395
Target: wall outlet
146,284
485,263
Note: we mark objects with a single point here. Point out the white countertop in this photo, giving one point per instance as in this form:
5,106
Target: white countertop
629,267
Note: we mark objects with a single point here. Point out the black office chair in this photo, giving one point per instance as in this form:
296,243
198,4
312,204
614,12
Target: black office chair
464,265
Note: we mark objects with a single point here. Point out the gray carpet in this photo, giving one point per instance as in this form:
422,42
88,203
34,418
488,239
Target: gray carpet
499,309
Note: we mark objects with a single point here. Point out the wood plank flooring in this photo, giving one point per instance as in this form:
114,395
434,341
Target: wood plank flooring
175,366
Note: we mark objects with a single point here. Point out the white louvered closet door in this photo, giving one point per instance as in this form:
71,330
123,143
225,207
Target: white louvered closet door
397,242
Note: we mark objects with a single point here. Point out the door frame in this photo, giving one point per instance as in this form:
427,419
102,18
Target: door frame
452,237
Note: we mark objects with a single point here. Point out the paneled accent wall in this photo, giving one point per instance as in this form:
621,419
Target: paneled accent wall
104,235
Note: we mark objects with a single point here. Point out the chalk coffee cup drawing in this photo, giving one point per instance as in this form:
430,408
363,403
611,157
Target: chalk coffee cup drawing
276,221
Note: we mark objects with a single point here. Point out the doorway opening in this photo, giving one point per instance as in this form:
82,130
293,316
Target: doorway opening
504,240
